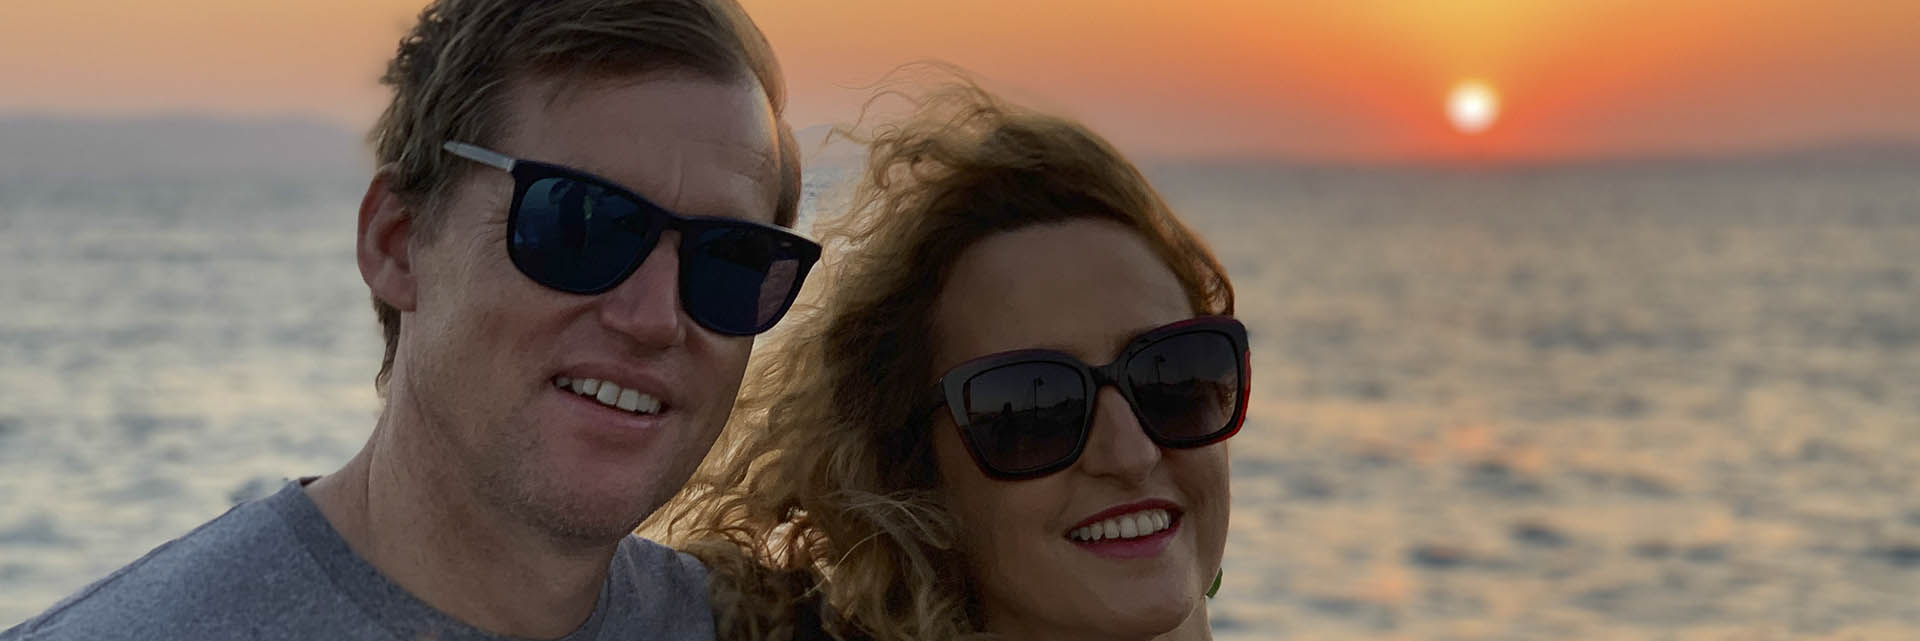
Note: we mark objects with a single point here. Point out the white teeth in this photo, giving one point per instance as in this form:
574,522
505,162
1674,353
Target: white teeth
609,394
1125,526
648,405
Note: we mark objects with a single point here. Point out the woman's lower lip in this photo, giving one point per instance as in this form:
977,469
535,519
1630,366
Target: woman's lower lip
1139,547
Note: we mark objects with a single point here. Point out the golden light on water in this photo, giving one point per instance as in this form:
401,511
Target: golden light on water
1472,107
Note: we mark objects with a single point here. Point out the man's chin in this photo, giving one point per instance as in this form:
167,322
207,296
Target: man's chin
587,520
590,511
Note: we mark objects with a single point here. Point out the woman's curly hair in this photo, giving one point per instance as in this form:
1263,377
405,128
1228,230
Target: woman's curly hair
820,508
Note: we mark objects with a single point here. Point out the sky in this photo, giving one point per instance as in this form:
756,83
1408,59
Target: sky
1320,81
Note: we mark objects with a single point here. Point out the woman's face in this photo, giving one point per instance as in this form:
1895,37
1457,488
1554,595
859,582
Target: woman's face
1086,288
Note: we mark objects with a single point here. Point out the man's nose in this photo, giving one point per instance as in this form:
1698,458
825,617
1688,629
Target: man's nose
1118,447
646,306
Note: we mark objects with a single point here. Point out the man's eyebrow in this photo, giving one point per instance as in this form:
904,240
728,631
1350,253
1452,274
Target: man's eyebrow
766,167
765,173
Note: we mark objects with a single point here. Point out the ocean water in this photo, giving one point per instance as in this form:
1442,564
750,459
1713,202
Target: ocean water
1671,400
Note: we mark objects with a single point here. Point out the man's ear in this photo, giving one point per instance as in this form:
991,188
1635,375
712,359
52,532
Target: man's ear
383,248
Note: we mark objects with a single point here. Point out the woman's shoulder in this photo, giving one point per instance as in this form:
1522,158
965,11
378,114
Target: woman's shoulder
754,602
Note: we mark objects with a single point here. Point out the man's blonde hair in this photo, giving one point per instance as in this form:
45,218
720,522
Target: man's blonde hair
452,72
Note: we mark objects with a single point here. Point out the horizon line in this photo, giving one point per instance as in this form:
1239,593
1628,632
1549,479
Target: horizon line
1894,147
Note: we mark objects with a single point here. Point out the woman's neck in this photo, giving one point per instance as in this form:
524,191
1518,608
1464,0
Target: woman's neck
1195,628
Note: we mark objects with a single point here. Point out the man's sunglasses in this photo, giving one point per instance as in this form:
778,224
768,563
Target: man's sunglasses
579,233
1027,413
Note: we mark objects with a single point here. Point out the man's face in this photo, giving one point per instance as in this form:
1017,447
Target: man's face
484,345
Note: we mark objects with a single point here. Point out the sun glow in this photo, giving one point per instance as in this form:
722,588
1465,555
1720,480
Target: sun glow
1472,107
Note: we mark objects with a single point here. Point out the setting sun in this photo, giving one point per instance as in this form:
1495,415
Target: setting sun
1472,107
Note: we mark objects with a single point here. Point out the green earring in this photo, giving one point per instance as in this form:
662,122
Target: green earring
1216,582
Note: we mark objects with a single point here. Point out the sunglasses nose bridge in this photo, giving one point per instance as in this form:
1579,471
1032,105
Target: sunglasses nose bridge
1107,375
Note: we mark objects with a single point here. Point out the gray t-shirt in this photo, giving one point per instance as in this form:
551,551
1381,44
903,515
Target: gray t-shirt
276,569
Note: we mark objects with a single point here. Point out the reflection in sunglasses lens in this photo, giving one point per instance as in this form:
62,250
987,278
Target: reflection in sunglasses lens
782,279
738,277
575,236
1187,386
1025,416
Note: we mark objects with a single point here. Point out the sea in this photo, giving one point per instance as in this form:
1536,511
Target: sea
1672,399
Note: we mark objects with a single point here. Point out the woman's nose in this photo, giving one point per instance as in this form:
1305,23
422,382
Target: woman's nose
1117,446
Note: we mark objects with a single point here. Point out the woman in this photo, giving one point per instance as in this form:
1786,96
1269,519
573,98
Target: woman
1003,420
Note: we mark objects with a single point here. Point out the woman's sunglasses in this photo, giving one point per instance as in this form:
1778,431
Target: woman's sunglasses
1027,413
582,234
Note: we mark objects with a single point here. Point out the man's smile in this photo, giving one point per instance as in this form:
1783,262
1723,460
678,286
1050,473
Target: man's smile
611,394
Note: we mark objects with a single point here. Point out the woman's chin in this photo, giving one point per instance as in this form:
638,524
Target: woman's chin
1162,622
1133,617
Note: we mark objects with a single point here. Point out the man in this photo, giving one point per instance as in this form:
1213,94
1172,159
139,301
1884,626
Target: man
575,230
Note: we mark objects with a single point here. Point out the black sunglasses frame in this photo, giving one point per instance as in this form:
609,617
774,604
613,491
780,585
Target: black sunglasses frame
659,220
951,390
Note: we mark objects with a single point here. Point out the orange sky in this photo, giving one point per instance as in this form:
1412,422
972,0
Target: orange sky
1315,80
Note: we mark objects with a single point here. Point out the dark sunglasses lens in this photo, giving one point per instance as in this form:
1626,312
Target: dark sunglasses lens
739,280
1187,386
577,237
1026,416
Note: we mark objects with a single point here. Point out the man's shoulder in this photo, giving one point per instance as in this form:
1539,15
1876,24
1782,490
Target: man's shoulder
660,590
224,579
643,555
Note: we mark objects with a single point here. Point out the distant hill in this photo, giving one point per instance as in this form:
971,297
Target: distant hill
69,150
62,149
1839,155
817,152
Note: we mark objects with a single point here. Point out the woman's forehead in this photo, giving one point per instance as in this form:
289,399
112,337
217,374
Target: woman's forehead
1084,287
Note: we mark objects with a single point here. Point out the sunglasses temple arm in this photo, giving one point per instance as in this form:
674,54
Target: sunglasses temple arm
480,155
